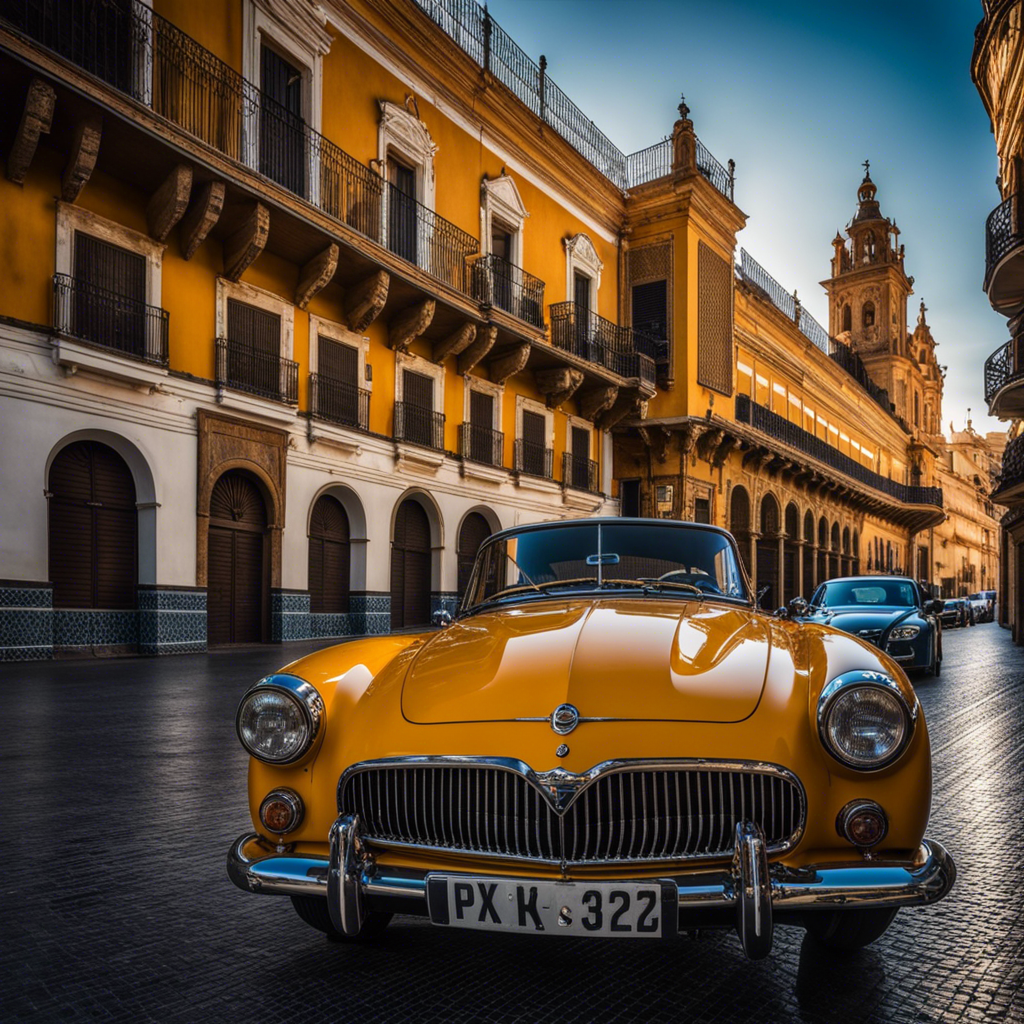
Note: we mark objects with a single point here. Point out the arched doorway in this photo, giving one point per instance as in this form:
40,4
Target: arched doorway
329,557
856,553
833,557
808,554
474,531
237,556
93,528
739,523
410,566
790,582
847,560
768,552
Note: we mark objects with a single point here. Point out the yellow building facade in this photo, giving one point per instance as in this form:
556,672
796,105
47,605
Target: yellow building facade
996,70
303,301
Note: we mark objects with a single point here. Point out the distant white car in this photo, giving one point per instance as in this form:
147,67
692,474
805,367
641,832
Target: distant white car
983,606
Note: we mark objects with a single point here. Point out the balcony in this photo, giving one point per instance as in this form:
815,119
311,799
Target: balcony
622,350
109,320
420,236
338,402
1004,379
533,459
242,366
496,282
417,425
1010,486
580,473
1004,256
481,444
779,429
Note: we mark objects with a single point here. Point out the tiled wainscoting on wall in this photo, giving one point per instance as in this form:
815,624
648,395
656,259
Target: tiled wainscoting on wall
172,620
26,620
369,614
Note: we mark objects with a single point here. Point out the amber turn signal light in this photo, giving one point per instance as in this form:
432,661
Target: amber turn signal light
281,811
863,823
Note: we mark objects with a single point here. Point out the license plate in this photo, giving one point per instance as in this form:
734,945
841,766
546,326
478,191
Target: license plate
614,910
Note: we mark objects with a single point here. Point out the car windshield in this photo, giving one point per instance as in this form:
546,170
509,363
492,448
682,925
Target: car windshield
891,593
655,559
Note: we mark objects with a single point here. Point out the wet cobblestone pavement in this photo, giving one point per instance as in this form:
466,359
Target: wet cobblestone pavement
124,784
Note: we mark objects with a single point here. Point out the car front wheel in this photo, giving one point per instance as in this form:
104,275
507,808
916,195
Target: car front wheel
313,910
849,929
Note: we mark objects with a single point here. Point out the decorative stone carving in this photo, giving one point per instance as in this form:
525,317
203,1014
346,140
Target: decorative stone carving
84,150
558,385
597,400
316,274
36,119
242,248
509,363
455,344
168,203
364,301
485,338
201,217
408,325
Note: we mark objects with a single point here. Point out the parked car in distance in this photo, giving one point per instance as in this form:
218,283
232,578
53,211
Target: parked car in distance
892,612
983,605
956,612
610,740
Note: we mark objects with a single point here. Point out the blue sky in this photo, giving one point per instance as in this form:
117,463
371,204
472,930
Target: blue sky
799,94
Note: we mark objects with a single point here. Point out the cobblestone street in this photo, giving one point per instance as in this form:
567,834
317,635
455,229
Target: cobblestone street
126,784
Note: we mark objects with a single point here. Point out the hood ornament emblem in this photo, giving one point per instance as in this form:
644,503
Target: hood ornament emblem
560,787
564,719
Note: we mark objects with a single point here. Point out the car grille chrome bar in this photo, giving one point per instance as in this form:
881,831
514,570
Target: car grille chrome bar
618,812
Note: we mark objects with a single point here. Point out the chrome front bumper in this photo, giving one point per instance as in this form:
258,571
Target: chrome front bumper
750,886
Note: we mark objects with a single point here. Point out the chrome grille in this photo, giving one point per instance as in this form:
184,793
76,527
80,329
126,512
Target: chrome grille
613,815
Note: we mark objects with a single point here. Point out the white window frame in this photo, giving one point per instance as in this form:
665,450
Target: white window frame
538,407
496,391
262,299
409,361
299,33
582,424
73,218
581,256
340,333
501,202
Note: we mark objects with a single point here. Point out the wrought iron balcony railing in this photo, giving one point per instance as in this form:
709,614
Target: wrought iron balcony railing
780,429
432,243
481,444
622,350
483,39
580,473
1012,471
1005,366
1004,232
243,367
419,426
338,402
110,320
142,54
532,459
496,282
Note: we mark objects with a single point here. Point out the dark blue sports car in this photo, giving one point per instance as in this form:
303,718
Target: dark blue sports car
892,612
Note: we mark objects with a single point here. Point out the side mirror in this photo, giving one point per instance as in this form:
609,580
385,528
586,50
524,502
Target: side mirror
760,594
441,618
936,606
798,608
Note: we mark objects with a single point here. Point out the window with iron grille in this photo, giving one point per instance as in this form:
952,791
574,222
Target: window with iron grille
714,321
481,421
282,130
338,381
580,460
109,295
534,446
254,348
418,408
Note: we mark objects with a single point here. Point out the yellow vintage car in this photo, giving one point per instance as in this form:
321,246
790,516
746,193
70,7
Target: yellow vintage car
609,740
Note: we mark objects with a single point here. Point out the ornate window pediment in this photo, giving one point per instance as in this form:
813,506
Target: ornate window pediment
406,135
581,256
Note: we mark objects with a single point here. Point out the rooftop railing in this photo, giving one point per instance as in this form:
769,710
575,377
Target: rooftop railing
622,350
110,320
780,429
480,36
758,279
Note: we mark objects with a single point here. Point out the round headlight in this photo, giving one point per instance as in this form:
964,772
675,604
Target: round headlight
864,720
278,719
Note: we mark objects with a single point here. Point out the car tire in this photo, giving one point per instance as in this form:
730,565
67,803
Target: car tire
849,929
313,910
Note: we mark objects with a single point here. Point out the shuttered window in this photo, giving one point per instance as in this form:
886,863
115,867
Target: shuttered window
418,390
581,292
534,458
93,528
714,321
329,561
109,295
481,409
256,328
337,361
410,567
108,266
282,133
650,308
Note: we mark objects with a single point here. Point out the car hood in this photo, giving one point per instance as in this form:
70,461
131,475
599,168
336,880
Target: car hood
854,619
626,659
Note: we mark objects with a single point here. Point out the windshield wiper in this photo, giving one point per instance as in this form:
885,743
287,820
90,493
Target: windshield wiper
653,585
542,587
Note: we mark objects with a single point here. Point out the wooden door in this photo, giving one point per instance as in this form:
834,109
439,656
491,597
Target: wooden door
410,567
329,557
236,590
475,530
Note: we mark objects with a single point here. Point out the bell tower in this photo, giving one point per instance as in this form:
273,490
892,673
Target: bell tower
868,291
